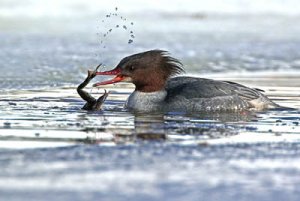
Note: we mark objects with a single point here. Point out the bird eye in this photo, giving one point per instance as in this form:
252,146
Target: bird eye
131,68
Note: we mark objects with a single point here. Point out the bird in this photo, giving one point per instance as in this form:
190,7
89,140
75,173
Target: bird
160,87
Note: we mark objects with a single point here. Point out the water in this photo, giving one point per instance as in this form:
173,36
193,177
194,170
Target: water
113,18
52,150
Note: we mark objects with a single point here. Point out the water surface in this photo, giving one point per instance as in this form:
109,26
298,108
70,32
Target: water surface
52,150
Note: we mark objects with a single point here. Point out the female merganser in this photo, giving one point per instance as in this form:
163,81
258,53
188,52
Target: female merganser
157,90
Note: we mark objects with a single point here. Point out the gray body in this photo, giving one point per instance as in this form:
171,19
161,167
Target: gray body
190,94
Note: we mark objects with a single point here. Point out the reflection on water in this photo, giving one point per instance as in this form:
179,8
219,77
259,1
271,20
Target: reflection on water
55,116
52,150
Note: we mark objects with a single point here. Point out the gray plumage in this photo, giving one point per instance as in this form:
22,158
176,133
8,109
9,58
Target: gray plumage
199,94
190,94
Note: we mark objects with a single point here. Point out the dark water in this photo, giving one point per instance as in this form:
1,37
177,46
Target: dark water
52,150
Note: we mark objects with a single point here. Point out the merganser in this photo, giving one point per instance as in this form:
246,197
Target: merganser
156,89
91,102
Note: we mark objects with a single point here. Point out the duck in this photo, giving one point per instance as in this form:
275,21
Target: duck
161,87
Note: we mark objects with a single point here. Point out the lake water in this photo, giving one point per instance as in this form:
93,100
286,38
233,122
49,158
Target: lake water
52,150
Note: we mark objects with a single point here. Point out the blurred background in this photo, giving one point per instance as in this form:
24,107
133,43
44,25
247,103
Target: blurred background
53,42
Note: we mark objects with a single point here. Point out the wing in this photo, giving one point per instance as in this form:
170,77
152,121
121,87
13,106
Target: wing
191,87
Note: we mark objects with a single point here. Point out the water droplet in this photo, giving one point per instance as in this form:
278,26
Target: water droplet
110,30
104,35
131,32
117,26
107,15
116,8
130,41
132,36
124,27
131,23
121,17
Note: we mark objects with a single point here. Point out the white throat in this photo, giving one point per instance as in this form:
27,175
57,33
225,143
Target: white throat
146,101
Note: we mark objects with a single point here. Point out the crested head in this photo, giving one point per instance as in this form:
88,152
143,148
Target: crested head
148,71
154,59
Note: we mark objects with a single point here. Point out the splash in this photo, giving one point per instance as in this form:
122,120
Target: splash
112,22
